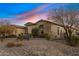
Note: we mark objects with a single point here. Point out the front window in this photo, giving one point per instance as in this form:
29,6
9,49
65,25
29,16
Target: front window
42,32
58,30
41,26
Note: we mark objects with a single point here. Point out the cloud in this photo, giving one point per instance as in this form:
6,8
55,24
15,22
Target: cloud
31,16
32,12
36,17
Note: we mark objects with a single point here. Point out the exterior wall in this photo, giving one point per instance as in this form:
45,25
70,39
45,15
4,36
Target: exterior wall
56,31
46,27
30,28
53,30
14,32
17,31
20,31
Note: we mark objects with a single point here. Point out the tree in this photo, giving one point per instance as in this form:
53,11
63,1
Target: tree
35,32
7,30
4,22
66,18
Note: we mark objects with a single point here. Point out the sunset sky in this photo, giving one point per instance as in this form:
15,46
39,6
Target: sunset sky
21,13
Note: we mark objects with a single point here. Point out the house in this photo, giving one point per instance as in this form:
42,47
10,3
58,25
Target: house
13,30
19,30
46,27
30,26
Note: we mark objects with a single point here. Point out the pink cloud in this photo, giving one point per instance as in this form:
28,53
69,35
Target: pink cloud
32,16
33,11
36,17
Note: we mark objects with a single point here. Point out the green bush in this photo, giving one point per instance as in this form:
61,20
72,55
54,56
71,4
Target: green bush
46,36
35,32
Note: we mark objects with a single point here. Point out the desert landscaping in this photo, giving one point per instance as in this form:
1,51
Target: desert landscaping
38,47
39,30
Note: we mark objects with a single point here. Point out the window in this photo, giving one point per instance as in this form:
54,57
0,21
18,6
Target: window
42,32
61,31
58,30
77,33
41,26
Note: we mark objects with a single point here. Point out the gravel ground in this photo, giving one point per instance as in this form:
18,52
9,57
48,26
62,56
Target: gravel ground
40,47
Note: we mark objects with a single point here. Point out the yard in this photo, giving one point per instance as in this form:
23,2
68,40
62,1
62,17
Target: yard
38,47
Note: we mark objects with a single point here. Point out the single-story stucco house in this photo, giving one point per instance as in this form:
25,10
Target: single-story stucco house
19,30
47,27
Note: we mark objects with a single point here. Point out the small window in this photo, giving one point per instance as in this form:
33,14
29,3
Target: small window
61,31
77,33
58,30
42,32
41,26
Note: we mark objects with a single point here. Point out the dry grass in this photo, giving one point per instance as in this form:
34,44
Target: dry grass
38,47
14,44
10,44
19,44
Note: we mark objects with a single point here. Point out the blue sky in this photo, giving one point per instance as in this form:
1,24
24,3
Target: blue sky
9,9
20,13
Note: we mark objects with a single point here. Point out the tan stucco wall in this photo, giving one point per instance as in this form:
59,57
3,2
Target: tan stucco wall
47,27
51,29
19,31
54,30
30,28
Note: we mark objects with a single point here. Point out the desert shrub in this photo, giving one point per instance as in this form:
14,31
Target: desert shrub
19,44
46,36
74,41
35,32
20,37
27,36
10,44
11,36
1,39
